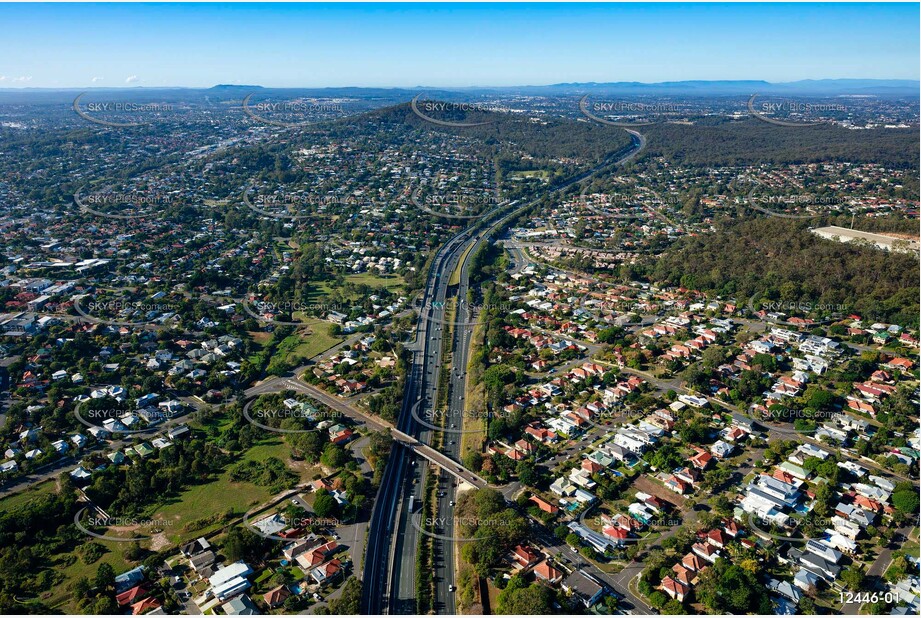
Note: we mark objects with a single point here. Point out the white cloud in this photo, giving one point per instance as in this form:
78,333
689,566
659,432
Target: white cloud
2,78
131,79
23,78
96,79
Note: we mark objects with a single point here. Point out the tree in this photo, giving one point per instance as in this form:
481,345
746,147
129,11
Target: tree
658,599
324,505
350,601
807,606
242,544
81,587
713,357
673,607
105,577
723,505
334,456
610,334
726,587
819,398
104,606
906,501
531,600
527,473
666,458
308,445
473,461
853,577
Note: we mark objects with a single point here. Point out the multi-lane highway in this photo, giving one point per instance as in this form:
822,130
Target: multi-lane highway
389,574
389,578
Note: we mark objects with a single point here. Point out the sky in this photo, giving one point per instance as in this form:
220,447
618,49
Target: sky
444,45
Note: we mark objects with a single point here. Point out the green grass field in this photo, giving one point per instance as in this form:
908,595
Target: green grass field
18,499
271,447
390,282
307,346
541,174
60,596
200,502
180,520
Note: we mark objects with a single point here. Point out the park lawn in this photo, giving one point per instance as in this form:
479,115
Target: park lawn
60,597
259,337
199,502
307,346
220,423
190,511
317,291
391,282
542,174
274,446
277,447
27,494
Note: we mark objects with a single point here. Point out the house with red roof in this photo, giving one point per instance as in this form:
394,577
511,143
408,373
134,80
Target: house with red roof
525,556
276,596
525,447
701,460
859,405
732,528
541,434
867,504
677,485
734,434
688,475
881,376
133,595
706,551
693,562
630,524
544,505
655,503
341,437
147,605
900,363
683,574
616,534
322,484
545,572
717,538
327,571
318,556
674,588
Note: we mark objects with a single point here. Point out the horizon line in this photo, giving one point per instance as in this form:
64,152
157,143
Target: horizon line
470,87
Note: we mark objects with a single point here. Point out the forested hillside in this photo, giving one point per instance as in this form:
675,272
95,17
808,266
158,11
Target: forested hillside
753,142
781,259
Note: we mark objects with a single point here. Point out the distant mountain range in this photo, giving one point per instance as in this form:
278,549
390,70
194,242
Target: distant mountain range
808,87
744,87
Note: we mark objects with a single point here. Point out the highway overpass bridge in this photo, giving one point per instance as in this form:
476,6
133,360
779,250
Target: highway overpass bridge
439,459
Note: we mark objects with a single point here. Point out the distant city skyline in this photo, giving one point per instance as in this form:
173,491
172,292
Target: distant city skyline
450,45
